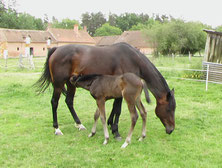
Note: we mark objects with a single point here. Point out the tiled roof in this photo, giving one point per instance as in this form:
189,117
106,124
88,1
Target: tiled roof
105,40
14,35
134,38
70,35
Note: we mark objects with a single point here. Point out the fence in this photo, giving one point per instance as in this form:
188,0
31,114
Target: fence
22,62
210,72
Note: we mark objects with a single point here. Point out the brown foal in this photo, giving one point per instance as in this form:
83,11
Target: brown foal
104,87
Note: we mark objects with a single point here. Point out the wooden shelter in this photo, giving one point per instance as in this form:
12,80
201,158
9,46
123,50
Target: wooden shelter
213,48
213,57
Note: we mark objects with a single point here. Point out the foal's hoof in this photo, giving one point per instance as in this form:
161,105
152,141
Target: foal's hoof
80,127
91,134
141,138
105,142
58,132
124,145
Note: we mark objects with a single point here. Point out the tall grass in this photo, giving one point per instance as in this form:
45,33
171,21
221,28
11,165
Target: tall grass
27,138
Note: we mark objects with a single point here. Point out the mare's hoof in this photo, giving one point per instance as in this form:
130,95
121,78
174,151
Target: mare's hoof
141,138
58,132
80,127
118,138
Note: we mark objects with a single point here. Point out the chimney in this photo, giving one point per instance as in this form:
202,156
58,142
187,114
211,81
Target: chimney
49,26
85,28
76,28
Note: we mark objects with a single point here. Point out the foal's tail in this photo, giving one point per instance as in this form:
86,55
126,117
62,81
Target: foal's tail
45,79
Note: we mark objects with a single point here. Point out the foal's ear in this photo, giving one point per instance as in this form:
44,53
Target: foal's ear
73,79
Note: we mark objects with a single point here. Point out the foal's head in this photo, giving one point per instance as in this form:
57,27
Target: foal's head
83,81
165,110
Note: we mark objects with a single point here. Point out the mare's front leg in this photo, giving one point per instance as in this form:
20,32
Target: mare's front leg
69,101
101,107
54,103
116,111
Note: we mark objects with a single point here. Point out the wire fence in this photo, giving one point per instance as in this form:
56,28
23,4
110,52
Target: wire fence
210,72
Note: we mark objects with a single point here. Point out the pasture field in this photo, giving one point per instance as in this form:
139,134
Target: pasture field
27,138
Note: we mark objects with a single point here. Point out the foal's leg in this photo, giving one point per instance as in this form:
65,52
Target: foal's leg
96,116
143,114
101,106
54,103
134,117
69,101
116,111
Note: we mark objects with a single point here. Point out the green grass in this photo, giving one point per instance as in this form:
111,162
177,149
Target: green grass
27,138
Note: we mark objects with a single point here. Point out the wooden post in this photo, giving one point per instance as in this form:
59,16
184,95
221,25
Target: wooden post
189,56
207,76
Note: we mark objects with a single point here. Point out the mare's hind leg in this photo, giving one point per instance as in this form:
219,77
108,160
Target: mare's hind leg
143,114
116,111
96,116
69,101
54,103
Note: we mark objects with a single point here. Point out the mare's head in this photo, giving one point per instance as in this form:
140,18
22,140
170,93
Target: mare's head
165,110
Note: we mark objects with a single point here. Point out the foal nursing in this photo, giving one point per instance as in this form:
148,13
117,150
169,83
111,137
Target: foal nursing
104,87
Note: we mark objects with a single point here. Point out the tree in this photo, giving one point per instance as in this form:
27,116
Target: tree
64,24
93,21
127,20
178,37
9,18
107,30
219,28
112,19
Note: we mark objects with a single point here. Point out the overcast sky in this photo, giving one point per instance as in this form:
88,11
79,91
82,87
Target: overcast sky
208,12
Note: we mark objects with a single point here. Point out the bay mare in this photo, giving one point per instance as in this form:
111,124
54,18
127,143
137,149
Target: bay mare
105,87
68,60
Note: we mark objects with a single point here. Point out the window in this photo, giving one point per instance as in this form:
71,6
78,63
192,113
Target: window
17,48
43,49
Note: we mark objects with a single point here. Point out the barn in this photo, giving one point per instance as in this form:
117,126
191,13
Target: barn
213,57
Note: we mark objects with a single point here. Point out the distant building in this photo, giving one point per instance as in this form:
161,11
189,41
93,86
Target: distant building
15,41
135,38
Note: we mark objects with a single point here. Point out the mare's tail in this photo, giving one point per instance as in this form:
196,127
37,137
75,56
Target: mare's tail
145,89
45,79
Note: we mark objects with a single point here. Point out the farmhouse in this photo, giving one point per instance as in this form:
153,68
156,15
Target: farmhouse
134,38
15,42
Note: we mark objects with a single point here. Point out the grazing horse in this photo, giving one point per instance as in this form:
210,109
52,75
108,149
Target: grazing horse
104,87
68,60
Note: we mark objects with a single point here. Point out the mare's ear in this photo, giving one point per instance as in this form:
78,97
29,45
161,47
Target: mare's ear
170,94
